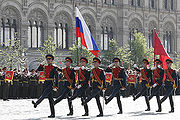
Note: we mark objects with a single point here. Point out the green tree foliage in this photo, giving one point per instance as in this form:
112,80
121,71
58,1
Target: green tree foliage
122,53
139,49
82,52
13,54
49,47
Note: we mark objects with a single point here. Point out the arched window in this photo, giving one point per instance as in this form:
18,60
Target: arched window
139,3
8,30
152,4
35,34
131,36
165,4
105,1
106,35
172,4
167,38
132,2
112,2
61,35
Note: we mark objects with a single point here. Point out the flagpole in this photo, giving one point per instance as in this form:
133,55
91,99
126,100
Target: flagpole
154,42
77,45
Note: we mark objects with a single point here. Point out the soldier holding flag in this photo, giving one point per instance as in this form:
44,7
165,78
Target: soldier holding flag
158,74
98,84
146,76
51,83
82,83
171,84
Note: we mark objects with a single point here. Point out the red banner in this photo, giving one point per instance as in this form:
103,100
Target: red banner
9,75
108,77
132,79
41,76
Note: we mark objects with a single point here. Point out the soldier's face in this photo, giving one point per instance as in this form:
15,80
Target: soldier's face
96,64
144,64
67,63
83,63
168,64
49,60
116,63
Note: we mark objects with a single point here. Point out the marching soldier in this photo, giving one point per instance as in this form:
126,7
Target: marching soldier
158,74
68,80
16,84
51,83
98,84
82,85
33,84
119,82
171,83
146,75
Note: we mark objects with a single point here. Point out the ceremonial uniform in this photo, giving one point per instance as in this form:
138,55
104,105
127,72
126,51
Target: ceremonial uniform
170,84
119,83
82,85
146,76
6,85
16,85
68,80
51,80
98,83
25,80
158,74
33,85
1,84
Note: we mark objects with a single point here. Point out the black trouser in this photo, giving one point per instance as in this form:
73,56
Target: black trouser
33,90
25,90
115,93
5,90
95,93
132,89
156,92
81,92
169,93
144,91
39,89
15,90
64,94
1,90
48,92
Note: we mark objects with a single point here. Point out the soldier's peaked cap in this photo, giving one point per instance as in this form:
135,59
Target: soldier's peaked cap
49,56
97,59
84,59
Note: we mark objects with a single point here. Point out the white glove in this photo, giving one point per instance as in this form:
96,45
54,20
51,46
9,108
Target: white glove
79,86
103,90
147,66
159,66
83,68
44,62
111,65
135,65
153,68
76,68
54,89
155,85
72,91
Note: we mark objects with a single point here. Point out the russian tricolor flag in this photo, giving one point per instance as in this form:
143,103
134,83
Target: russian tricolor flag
84,33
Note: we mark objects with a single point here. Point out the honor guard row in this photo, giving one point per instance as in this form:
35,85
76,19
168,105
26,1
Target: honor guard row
76,81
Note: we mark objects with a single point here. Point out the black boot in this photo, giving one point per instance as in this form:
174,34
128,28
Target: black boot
86,114
148,109
159,110
51,116
100,115
35,105
172,110
69,114
120,112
